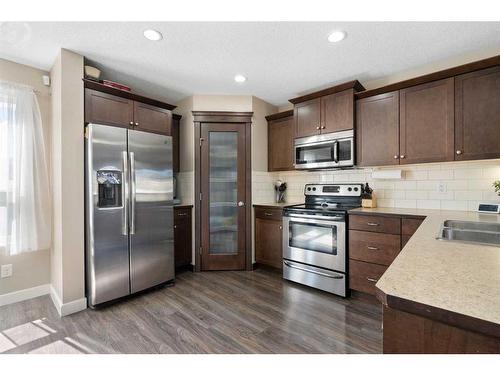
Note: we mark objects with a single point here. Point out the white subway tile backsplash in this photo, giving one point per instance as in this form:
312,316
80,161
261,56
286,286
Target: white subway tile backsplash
429,204
465,184
440,174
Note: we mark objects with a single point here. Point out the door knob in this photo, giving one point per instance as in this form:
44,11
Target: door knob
241,204
459,152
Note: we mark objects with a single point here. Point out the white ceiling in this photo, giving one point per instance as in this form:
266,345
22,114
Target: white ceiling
280,59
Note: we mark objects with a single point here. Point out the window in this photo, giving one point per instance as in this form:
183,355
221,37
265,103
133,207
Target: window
25,221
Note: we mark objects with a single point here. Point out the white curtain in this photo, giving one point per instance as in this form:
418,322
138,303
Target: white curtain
25,207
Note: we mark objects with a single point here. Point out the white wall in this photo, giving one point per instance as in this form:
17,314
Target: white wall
67,266
29,269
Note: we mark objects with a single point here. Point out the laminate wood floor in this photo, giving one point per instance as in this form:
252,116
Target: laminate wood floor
208,312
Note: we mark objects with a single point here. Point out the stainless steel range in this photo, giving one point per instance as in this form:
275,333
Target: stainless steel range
315,236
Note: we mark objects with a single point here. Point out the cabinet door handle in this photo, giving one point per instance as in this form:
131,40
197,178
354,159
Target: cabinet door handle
371,280
182,214
268,214
373,224
372,248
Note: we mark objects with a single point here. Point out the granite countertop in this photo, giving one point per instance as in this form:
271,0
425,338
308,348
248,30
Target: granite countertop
459,277
276,205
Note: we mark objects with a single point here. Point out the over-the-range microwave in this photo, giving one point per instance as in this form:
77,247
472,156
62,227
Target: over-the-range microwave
325,151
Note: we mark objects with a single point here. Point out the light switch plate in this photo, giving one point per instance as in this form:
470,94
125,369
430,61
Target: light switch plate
6,271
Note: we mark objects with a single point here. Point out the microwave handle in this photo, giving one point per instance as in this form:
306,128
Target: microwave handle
336,151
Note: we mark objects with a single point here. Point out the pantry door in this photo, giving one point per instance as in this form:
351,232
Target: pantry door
224,205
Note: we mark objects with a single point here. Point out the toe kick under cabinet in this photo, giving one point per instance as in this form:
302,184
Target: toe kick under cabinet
374,242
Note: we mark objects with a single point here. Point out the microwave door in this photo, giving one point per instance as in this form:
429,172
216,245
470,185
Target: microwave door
315,155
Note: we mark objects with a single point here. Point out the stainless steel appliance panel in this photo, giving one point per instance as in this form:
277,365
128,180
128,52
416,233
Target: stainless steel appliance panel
323,242
319,278
330,150
107,256
151,214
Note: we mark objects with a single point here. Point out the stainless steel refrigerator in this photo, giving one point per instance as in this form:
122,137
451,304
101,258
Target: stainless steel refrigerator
129,212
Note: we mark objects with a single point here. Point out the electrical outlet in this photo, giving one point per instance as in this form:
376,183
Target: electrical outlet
441,187
6,270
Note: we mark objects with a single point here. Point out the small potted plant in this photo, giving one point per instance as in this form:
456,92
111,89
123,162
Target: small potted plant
496,185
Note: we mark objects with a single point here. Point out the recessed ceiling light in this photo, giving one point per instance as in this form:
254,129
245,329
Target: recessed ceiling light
240,78
337,36
152,35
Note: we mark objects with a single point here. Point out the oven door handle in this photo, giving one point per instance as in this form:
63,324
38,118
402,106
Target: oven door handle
313,271
318,218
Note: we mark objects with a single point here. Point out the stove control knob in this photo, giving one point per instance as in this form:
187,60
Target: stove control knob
355,189
349,189
308,189
324,205
314,189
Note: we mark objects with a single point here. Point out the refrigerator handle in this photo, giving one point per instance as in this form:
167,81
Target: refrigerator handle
125,193
132,193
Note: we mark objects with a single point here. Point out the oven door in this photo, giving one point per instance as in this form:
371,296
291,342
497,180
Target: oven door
318,242
316,152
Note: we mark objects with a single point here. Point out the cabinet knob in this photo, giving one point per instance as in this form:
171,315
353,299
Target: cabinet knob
323,127
241,204
403,156
131,123
318,127
175,226
281,227
396,156
459,152
136,124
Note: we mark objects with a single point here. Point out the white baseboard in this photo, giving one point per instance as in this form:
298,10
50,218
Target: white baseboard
24,294
67,308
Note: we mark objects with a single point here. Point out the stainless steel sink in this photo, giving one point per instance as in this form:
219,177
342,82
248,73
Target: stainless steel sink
470,231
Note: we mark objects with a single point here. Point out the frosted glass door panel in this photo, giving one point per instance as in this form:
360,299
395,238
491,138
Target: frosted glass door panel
223,185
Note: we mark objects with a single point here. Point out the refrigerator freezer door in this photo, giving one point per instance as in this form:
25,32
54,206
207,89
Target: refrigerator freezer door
107,255
151,215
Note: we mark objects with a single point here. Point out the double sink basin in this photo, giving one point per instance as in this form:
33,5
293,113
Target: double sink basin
470,231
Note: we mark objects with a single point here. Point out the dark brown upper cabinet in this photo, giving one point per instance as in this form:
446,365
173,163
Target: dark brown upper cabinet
325,111
377,130
111,106
337,111
107,109
426,122
176,122
477,115
152,119
308,118
280,135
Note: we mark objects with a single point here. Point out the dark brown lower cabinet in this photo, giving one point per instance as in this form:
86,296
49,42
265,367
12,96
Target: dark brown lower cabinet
406,333
374,242
268,237
183,238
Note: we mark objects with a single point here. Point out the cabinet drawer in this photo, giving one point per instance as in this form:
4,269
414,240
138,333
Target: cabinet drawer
372,223
410,225
380,248
268,213
363,276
